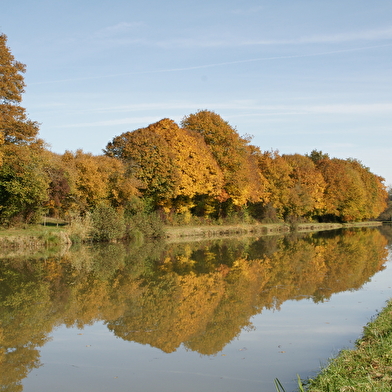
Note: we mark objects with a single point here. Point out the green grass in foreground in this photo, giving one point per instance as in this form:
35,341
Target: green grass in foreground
368,367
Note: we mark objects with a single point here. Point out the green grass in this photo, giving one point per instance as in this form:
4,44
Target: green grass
31,236
366,368
279,386
29,230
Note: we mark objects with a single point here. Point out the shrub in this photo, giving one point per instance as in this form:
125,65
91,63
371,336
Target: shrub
107,224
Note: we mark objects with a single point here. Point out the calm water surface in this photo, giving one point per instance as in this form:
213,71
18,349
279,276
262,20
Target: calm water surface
228,315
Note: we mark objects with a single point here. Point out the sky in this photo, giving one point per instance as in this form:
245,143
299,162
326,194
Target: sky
296,75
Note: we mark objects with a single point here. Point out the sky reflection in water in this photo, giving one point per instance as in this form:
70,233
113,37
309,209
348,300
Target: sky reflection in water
226,316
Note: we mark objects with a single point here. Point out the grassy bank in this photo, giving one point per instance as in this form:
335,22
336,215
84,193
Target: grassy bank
53,233
197,232
33,236
368,367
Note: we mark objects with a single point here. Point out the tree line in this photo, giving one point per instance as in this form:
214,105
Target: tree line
199,168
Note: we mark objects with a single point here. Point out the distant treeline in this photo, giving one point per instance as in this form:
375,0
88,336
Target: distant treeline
199,168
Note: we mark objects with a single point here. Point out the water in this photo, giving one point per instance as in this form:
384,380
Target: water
224,316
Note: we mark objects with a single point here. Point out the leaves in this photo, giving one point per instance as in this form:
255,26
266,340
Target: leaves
14,124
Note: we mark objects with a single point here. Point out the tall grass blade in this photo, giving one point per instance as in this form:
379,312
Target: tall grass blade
300,386
279,386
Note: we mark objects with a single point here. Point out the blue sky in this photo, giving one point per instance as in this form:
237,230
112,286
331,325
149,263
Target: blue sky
297,75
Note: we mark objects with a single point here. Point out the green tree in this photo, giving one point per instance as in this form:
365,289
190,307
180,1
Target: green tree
23,184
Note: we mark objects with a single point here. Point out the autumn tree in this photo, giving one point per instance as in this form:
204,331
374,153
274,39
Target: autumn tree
345,194
23,181
96,179
387,213
278,173
375,191
306,197
14,124
150,160
232,154
198,172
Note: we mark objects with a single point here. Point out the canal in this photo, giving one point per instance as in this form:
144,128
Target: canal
226,315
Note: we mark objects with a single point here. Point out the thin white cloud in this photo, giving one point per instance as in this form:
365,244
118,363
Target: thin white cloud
212,65
367,35
384,33
122,34
117,29
247,11
122,121
236,108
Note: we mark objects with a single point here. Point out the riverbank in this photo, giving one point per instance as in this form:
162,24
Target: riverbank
33,237
38,236
173,233
368,367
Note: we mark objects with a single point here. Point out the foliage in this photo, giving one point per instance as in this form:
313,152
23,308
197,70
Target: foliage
278,173
150,160
352,193
23,185
202,169
107,224
79,227
199,173
386,215
15,127
141,222
306,196
233,155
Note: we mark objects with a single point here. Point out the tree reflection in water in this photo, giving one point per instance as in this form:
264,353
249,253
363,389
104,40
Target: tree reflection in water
199,294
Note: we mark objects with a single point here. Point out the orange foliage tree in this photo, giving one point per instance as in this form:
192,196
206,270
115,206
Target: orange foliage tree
15,127
233,155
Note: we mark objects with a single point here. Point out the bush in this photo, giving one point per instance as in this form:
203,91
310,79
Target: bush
108,224
147,225
79,228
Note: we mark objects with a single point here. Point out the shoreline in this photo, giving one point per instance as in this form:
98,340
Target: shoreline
365,366
183,233
42,237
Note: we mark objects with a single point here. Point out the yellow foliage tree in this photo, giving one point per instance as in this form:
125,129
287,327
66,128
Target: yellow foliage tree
307,189
231,152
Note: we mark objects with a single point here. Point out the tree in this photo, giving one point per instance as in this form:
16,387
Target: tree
23,184
278,173
150,160
375,191
198,171
14,124
93,180
232,153
345,194
307,191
